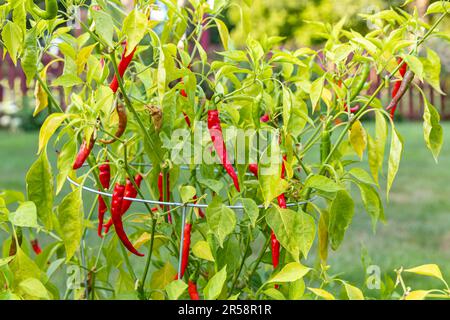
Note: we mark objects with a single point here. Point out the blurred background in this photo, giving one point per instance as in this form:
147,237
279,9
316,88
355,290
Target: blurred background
418,212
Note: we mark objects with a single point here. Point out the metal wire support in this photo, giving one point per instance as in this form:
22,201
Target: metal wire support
183,224
177,204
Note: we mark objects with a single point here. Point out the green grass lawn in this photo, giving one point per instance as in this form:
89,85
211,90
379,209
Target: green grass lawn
418,228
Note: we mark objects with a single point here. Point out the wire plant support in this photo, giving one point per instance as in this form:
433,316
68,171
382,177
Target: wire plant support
181,205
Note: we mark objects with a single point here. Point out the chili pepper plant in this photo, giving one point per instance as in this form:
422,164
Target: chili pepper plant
244,163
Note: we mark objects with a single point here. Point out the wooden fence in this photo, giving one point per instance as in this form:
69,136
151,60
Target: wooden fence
12,79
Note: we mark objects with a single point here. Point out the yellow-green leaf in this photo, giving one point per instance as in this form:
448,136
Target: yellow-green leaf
417,295
353,293
160,279
40,189
202,250
49,127
430,270
33,287
358,138
215,285
395,155
291,272
71,222
322,293
134,28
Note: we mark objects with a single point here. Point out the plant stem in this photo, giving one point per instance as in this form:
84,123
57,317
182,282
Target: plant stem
130,106
241,266
149,258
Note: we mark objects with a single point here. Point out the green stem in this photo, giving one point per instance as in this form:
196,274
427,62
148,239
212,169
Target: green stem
149,259
130,106
241,266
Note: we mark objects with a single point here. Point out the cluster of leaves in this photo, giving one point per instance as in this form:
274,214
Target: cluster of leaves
305,93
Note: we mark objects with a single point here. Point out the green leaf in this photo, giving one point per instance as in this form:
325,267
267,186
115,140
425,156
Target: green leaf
394,158
64,163
103,26
160,279
415,65
223,33
341,215
294,230
71,222
25,215
215,285
372,203
49,127
353,293
274,294
33,287
5,261
83,56
322,293
134,28
432,129
297,289
429,270
67,81
221,219
12,38
251,210
290,273
39,181
187,193
202,250
23,268
358,138
432,70
418,294
322,183
316,92
29,60
439,7
361,175
175,289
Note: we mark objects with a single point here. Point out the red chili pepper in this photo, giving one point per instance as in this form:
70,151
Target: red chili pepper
130,192
216,134
398,84
253,167
192,289
123,120
275,245
83,154
36,247
264,118
116,214
186,248
105,178
186,118
122,67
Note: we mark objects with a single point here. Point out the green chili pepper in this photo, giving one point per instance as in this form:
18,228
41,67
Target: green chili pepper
50,12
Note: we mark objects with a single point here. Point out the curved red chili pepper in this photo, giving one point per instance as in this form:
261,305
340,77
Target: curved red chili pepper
122,67
83,154
130,192
36,247
116,214
216,134
192,289
186,118
398,84
105,178
186,247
